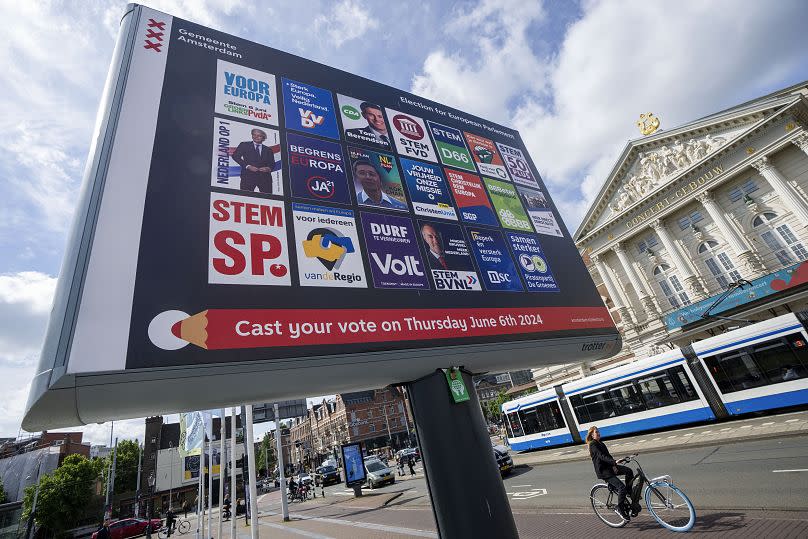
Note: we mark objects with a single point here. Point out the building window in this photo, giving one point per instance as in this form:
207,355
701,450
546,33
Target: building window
370,414
718,263
671,286
646,244
371,428
779,239
737,194
688,220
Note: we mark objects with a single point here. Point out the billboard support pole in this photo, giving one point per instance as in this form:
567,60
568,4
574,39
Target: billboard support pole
251,459
281,465
464,504
209,529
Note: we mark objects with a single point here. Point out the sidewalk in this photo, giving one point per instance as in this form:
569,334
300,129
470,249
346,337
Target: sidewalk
774,426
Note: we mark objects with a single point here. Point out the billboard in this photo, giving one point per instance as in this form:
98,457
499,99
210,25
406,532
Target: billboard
257,227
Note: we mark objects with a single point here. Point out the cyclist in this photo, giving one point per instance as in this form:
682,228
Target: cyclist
606,468
171,521
292,487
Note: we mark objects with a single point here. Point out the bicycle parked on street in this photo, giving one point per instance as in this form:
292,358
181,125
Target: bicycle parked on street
665,501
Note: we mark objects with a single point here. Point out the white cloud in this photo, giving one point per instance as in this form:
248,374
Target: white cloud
347,20
618,60
503,66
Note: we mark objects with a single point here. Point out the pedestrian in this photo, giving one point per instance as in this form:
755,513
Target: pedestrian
401,465
103,531
411,464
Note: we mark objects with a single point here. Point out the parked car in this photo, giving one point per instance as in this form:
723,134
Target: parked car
326,475
378,473
504,460
410,451
303,478
131,527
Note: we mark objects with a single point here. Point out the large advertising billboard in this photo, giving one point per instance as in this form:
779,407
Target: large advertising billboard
256,227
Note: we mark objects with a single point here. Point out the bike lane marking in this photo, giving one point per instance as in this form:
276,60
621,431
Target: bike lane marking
791,471
289,529
365,525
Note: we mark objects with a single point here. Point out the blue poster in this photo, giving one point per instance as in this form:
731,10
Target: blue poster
392,250
309,109
317,169
428,189
496,266
532,263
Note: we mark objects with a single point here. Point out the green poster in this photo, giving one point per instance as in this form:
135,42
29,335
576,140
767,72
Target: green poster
457,387
451,148
508,206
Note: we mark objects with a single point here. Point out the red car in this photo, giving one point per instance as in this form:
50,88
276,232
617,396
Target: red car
130,527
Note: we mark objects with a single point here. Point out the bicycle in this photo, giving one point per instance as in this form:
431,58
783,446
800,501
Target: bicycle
666,502
181,526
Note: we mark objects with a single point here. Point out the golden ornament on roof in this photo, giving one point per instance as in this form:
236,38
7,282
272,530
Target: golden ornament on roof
648,123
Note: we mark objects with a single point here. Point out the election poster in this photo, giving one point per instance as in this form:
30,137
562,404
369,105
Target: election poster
328,249
429,192
509,208
393,253
246,157
517,165
541,215
485,154
247,241
245,93
411,137
377,181
496,265
317,169
532,263
363,122
470,198
309,109
448,256
451,148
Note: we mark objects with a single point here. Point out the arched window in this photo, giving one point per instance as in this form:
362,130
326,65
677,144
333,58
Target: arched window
671,286
779,238
718,263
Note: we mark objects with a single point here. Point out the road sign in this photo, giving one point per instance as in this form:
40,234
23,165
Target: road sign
257,226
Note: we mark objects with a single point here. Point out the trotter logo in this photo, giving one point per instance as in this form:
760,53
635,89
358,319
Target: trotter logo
154,35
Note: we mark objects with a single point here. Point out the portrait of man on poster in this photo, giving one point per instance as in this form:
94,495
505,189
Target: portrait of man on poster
368,177
376,128
257,162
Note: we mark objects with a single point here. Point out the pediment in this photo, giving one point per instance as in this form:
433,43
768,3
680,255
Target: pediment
649,164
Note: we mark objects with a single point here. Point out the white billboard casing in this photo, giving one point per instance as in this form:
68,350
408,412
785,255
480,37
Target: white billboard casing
225,251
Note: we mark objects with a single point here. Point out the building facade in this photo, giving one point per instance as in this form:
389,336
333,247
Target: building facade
377,418
709,218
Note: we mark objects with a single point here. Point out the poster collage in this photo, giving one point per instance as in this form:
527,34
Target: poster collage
435,207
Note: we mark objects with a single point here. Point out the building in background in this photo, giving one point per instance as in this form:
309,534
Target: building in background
688,213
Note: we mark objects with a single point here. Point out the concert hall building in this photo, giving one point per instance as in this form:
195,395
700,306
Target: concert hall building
718,206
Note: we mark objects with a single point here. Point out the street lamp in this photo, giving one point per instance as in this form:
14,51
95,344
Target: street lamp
152,480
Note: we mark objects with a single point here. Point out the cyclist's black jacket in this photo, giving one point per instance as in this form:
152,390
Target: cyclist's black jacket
602,459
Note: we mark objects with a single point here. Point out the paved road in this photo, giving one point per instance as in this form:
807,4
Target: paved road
747,489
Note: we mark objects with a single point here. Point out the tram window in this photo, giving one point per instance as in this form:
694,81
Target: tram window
682,383
541,418
626,399
735,371
658,390
593,406
778,361
513,424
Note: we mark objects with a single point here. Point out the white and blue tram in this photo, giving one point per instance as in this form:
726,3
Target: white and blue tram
759,367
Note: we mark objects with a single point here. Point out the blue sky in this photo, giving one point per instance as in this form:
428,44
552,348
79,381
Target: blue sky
572,76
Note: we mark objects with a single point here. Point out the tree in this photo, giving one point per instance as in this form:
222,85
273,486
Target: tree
493,407
64,494
126,466
2,492
266,448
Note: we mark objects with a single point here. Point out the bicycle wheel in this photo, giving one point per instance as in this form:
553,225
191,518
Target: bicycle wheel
604,503
162,533
184,526
670,506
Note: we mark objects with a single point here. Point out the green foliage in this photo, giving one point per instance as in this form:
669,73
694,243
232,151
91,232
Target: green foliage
63,495
266,443
2,492
126,466
493,408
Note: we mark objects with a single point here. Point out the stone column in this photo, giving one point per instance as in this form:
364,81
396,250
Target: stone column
694,286
786,193
614,293
751,264
643,288
801,141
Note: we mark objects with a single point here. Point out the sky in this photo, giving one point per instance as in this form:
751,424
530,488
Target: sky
572,77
